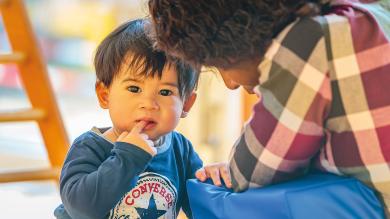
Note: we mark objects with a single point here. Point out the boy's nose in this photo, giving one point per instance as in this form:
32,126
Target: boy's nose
149,104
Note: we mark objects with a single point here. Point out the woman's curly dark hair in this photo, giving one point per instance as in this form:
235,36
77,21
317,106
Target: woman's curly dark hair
221,32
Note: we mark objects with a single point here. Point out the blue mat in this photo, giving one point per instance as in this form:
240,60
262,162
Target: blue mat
318,196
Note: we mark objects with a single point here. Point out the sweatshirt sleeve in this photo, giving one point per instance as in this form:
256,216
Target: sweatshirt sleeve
94,177
193,164
286,127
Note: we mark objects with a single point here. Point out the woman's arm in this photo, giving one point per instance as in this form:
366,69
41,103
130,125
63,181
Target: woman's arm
286,128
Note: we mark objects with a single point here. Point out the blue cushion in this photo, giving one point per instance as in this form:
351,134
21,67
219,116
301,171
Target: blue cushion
316,196
60,212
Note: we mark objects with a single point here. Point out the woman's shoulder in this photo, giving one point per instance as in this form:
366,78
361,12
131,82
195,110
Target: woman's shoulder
302,31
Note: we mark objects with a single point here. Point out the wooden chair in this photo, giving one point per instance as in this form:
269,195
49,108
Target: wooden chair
33,73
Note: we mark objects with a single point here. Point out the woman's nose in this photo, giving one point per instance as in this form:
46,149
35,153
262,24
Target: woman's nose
230,83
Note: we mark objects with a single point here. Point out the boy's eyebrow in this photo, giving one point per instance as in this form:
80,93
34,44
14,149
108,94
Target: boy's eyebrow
172,84
132,79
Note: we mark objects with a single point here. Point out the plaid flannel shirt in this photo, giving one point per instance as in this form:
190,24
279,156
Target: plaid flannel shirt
324,100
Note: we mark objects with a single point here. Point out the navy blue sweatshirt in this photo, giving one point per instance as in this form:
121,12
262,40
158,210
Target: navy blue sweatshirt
101,179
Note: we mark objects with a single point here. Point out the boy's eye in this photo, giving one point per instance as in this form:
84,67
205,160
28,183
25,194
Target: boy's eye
165,92
134,89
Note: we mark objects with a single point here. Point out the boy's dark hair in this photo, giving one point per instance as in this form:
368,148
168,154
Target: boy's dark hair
129,42
221,32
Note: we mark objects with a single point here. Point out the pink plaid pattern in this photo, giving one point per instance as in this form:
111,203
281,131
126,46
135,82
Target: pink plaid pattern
324,97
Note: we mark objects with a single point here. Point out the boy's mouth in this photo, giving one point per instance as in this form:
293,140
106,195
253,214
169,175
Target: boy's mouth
149,123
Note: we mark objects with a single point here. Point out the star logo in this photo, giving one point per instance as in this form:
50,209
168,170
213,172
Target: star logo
154,196
151,212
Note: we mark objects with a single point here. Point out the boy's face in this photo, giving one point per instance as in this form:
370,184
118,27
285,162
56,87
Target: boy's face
131,99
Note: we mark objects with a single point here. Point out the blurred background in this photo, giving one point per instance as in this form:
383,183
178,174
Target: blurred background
68,32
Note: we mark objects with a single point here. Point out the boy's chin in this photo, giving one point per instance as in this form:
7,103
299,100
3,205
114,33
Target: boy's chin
152,136
155,137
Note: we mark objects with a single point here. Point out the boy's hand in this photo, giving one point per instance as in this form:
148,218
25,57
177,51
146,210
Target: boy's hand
215,171
139,139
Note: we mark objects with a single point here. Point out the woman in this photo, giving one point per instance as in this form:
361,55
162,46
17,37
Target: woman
321,69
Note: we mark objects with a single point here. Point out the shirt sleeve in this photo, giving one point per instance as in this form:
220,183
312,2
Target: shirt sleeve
193,164
94,180
286,127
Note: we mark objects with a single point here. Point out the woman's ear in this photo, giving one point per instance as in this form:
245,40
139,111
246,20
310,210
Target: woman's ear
102,93
189,102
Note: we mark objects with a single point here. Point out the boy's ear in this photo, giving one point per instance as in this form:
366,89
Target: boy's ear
189,102
102,93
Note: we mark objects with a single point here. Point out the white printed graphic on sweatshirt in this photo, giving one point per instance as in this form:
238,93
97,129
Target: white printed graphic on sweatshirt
153,197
